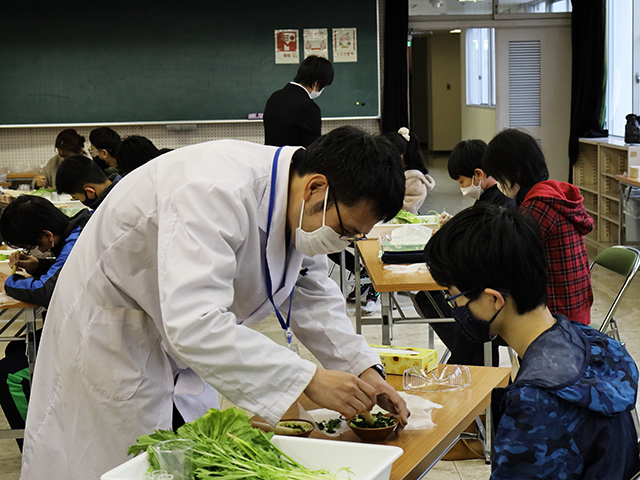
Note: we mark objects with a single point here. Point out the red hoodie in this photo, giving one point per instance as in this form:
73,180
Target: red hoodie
559,209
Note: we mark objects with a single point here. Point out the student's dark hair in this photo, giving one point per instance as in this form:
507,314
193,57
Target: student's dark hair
105,138
69,140
315,69
359,166
75,172
411,151
491,247
23,221
465,157
135,151
514,157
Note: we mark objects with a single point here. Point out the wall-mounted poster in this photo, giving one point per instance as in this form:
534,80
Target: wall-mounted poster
287,46
316,42
345,46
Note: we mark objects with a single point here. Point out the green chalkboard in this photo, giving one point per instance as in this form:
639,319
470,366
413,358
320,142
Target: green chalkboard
74,62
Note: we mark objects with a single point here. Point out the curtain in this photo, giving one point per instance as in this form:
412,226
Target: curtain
589,73
395,109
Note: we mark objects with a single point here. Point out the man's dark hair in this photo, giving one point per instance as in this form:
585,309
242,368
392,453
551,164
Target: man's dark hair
75,172
23,221
135,151
105,138
491,247
70,141
514,157
315,69
465,157
359,166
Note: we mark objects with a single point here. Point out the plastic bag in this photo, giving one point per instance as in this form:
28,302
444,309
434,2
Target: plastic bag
450,379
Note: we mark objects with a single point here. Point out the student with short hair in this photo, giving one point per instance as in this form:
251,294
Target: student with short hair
291,117
567,414
68,142
83,179
104,143
516,161
134,151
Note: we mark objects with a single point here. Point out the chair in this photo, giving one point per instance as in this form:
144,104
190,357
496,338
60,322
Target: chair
624,261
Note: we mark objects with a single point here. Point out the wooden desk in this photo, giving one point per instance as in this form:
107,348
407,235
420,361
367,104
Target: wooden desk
624,180
423,448
387,283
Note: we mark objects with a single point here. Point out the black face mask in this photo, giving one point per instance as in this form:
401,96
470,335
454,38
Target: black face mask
473,328
89,202
101,163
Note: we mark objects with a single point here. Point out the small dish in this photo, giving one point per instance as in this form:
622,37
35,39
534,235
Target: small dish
303,428
372,434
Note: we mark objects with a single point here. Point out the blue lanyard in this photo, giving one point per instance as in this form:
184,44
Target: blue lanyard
284,324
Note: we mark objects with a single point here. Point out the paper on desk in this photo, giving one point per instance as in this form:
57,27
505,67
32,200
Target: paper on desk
421,410
413,268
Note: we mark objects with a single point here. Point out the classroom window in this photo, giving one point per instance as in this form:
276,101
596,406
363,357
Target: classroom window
480,52
528,6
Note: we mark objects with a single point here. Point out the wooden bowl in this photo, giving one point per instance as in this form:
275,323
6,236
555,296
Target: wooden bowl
307,427
373,434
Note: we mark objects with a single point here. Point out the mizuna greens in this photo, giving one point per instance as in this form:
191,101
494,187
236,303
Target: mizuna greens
227,447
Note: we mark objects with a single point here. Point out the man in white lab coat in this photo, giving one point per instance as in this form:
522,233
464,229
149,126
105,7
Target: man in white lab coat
154,304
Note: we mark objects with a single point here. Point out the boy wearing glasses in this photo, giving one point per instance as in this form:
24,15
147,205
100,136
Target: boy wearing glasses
567,413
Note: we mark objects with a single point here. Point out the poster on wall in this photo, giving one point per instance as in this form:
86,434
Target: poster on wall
287,46
316,42
345,47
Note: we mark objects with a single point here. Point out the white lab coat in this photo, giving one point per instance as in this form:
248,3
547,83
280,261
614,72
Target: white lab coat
168,274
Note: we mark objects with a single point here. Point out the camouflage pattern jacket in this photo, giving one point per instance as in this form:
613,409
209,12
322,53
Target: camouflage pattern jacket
567,414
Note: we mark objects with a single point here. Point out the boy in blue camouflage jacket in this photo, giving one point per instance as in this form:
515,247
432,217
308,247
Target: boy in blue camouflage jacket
567,413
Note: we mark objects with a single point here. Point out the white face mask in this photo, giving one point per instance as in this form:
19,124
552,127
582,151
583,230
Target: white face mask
321,241
315,93
473,191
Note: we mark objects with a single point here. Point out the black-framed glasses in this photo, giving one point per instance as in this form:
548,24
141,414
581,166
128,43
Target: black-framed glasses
347,237
451,299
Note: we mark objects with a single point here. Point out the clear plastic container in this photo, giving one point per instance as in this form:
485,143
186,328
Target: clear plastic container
450,378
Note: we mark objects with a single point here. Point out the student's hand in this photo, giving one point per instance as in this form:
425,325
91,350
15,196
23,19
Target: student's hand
41,181
342,392
20,260
443,218
388,398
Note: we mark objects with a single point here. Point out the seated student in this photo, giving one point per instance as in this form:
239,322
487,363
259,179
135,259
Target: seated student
68,142
83,179
417,179
135,151
516,161
32,222
104,143
567,414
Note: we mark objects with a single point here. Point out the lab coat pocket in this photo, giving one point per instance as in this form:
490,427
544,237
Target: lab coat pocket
114,350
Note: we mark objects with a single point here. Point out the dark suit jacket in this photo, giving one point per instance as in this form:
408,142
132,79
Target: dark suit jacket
291,118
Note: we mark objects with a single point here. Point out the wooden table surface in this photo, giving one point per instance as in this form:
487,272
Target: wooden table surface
628,180
422,448
385,281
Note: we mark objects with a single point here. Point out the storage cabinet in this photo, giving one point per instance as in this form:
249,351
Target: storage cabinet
599,161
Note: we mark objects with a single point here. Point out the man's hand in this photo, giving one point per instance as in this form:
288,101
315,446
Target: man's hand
20,260
41,181
342,392
443,218
387,397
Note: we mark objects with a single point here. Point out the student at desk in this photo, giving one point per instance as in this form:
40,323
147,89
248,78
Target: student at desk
84,181
68,142
567,414
31,222
104,143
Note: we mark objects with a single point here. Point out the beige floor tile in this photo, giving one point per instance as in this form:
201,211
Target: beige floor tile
473,469
443,471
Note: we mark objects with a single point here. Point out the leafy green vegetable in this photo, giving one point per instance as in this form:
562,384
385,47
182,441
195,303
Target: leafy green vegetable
330,425
43,192
380,420
227,447
407,217
4,257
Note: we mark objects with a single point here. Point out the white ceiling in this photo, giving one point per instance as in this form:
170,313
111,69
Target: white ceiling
449,7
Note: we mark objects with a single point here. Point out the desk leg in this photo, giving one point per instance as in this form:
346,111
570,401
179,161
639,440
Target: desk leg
386,307
30,320
357,291
620,212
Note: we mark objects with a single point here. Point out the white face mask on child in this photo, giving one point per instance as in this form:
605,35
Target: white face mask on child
473,191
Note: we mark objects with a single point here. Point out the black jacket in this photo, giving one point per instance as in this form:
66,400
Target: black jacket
291,118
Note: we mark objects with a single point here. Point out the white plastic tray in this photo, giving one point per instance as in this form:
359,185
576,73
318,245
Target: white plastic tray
382,229
366,461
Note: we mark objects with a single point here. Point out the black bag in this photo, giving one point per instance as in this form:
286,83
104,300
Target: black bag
412,256
632,129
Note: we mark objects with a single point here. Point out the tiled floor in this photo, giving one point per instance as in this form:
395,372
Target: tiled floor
446,194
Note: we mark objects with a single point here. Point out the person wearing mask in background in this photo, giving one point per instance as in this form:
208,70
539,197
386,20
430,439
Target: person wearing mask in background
516,161
134,151
418,182
68,142
157,298
104,143
291,117
83,179
31,222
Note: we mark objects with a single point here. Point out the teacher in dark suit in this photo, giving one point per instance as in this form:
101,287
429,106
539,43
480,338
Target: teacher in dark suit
291,117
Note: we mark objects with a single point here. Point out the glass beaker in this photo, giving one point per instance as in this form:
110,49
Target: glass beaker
175,456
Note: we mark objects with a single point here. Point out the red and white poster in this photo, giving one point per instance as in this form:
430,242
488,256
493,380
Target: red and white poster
316,42
345,46
287,46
